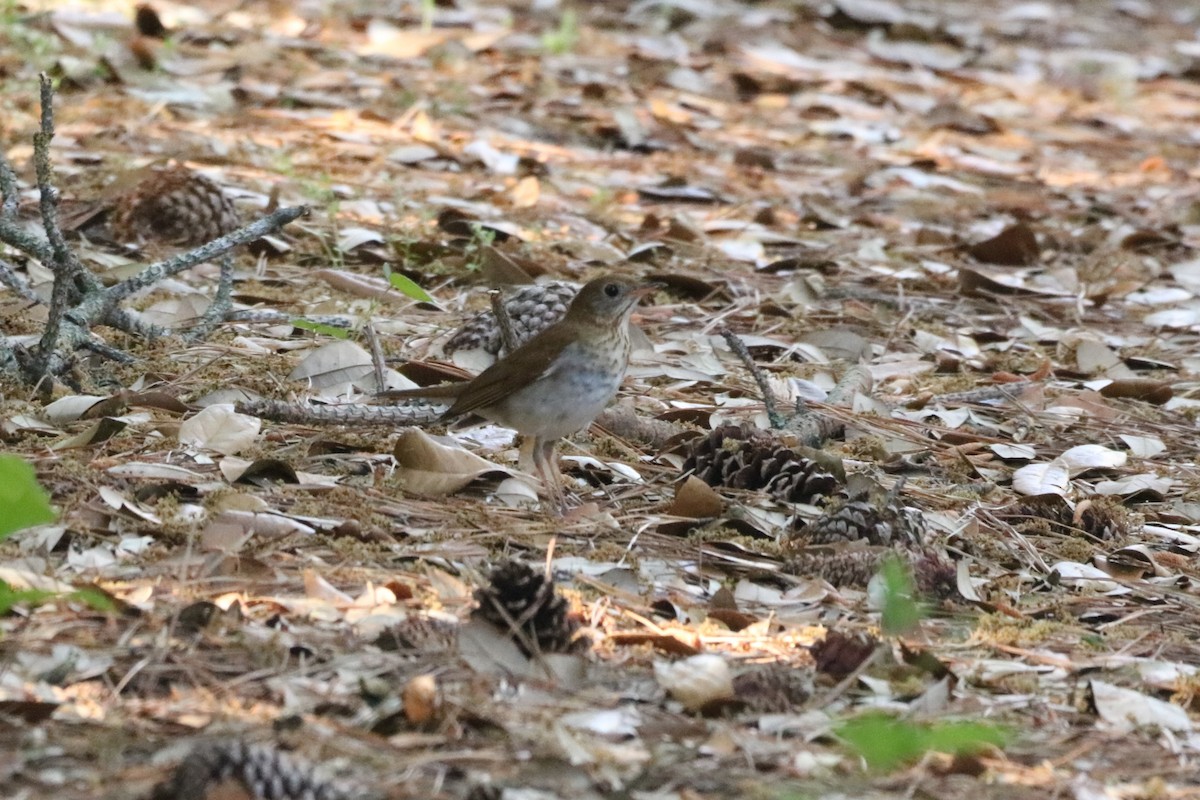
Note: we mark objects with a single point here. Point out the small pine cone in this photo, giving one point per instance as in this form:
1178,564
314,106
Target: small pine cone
263,772
175,206
742,457
883,523
935,575
523,601
531,309
773,688
1100,518
839,654
850,569
417,632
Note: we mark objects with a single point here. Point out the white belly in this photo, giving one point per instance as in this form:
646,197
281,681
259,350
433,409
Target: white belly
560,402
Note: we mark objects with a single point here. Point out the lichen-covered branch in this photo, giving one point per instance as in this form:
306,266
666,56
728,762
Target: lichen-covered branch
79,302
206,252
349,414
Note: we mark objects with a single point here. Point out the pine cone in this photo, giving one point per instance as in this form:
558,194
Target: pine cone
883,523
531,309
743,457
523,601
935,575
426,634
843,568
263,771
175,206
773,688
1100,518
839,654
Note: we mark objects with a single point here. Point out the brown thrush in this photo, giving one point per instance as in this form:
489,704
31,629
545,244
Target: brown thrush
560,380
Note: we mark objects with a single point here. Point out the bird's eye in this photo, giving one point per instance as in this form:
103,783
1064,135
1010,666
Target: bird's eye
612,289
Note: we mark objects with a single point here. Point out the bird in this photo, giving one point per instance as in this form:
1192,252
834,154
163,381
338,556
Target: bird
557,382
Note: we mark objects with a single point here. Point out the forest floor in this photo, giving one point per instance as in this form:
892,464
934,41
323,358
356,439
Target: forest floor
993,208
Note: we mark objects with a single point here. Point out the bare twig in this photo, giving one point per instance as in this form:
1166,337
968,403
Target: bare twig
508,335
205,252
99,347
778,421
10,278
376,356
218,309
64,265
8,190
856,380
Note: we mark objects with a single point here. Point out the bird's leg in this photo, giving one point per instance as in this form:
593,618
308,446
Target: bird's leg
527,455
547,469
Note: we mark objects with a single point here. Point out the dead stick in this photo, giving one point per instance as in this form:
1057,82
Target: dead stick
741,351
376,356
508,334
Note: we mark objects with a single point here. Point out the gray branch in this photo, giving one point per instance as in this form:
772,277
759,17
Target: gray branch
10,278
79,302
205,252
348,414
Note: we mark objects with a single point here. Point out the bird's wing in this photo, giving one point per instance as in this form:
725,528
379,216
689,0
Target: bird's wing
515,371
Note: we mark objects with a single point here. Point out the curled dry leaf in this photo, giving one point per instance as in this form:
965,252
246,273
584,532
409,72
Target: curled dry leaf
695,499
1053,477
70,408
1146,486
1143,446
696,681
1126,709
220,428
1145,389
99,431
430,468
334,364
1015,246
1086,457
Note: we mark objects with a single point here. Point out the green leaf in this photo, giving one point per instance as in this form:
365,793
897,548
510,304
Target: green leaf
407,286
10,597
901,611
885,742
319,327
964,737
95,598
23,502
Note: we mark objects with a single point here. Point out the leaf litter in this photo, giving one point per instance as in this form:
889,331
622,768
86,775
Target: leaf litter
994,211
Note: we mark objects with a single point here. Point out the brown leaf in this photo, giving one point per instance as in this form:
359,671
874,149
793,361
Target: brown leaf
427,467
695,499
1015,246
1146,389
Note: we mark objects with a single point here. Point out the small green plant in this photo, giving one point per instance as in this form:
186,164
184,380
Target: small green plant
481,238
10,597
885,742
23,502
902,612
319,327
427,9
564,38
406,285
19,36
